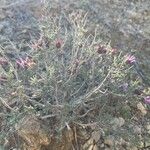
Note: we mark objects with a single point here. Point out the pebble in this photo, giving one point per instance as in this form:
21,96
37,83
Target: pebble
109,141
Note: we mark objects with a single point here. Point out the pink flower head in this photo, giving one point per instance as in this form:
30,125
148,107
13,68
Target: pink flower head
59,43
130,59
101,49
147,99
37,44
3,61
25,63
29,62
3,79
113,51
21,63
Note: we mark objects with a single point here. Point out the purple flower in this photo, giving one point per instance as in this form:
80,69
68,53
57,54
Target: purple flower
147,99
3,79
21,63
130,59
101,49
3,61
113,51
25,63
59,43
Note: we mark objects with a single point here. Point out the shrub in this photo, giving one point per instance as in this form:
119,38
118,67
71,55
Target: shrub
67,76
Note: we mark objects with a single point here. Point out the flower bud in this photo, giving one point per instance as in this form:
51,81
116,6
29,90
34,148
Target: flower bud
58,44
101,49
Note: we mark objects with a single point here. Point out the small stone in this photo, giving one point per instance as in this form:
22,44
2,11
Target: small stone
134,148
102,145
88,144
148,127
117,122
147,142
137,130
1,27
2,15
109,141
95,147
96,136
141,108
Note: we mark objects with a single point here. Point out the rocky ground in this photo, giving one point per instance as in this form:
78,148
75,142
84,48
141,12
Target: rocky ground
125,24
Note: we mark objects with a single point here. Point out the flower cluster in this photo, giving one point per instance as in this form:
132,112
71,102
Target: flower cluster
25,63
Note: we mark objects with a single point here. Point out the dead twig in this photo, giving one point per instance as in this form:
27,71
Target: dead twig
49,116
6,105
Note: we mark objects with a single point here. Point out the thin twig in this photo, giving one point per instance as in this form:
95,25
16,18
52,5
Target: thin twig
97,88
6,105
81,116
49,116
88,95
86,125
